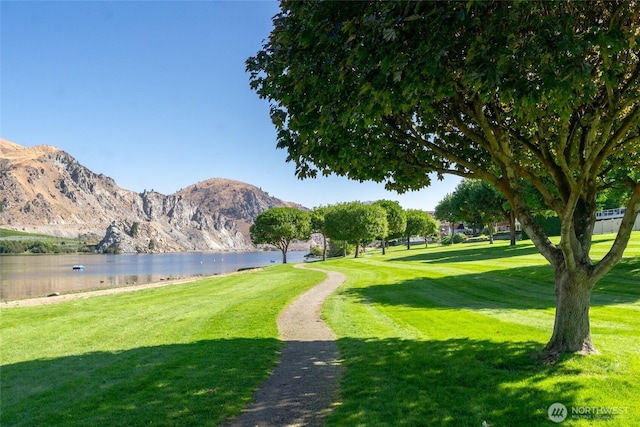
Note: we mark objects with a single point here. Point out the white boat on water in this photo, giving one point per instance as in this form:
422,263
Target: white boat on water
78,267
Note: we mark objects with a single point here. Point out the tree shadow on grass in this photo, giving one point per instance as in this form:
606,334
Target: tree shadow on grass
461,254
514,288
200,383
392,382
456,382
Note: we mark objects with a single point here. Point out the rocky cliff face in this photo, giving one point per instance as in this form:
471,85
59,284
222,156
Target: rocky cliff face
45,190
233,199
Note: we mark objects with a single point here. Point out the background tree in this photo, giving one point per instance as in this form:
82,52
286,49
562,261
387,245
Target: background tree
475,201
508,92
279,227
614,197
355,222
430,230
396,221
337,225
419,223
317,226
446,211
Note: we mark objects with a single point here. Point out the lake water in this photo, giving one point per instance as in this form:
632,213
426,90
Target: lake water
25,276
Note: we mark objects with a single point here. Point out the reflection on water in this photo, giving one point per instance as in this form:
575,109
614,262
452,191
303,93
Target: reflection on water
24,276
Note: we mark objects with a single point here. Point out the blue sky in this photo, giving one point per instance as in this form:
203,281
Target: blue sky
155,95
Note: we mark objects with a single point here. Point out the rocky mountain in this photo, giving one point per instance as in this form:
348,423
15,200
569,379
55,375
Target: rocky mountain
45,190
233,199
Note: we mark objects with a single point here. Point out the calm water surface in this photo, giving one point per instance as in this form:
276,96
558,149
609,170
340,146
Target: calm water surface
24,276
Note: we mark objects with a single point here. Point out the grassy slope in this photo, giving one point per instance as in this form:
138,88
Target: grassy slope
65,244
444,336
178,355
6,233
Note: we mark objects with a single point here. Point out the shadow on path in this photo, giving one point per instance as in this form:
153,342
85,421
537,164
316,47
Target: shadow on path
302,388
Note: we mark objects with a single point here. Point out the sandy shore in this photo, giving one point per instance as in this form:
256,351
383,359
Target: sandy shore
32,302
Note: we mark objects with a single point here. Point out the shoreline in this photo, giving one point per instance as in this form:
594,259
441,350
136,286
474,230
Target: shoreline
56,299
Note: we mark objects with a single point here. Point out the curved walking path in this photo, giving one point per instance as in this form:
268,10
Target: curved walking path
301,390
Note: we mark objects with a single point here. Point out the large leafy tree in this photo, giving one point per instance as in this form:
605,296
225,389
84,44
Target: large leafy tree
355,222
508,92
396,221
279,227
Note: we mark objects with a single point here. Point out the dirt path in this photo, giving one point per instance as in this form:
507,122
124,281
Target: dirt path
302,389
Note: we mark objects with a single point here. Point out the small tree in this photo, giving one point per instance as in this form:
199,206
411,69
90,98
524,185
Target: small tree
419,223
279,227
445,211
356,222
430,229
396,220
317,226
477,201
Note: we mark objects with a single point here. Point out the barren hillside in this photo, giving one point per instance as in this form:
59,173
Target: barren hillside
44,189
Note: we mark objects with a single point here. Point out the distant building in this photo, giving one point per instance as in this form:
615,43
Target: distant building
609,220
505,226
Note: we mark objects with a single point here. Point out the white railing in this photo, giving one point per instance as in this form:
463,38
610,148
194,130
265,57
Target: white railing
609,221
610,213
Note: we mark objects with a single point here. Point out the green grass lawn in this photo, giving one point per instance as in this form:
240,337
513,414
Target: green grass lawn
178,355
440,336
444,336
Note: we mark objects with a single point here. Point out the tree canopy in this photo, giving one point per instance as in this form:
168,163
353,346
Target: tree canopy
396,221
475,202
419,223
279,227
508,92
355,222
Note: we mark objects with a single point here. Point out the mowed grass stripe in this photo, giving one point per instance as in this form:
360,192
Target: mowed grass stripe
186,354
467,320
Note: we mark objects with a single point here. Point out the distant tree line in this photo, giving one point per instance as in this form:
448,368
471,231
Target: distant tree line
350,227
37,247
345,227
478,203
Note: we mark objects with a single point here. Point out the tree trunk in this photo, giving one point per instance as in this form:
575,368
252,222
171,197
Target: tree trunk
490,227
384,247
408,242
324,247
512,227
571,330
284,247
357,248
